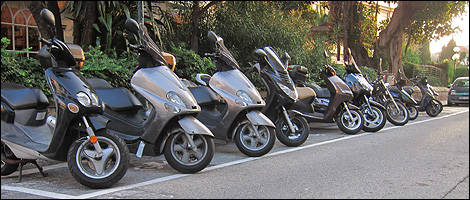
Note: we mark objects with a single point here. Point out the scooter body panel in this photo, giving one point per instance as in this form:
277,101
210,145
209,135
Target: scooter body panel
154,84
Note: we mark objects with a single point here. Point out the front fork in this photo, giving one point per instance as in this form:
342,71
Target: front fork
289,122
91,134
347,110
393,99
368,105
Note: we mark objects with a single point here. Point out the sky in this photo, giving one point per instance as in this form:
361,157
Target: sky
460,37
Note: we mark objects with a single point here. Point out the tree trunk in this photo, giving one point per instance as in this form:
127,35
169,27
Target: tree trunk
54,8
83,31
406,47
35,7
391,38
195,15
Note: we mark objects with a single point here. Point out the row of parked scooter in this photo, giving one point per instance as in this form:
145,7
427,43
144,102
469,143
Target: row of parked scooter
96,125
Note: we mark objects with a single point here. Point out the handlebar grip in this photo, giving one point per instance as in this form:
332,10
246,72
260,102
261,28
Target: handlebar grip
210,54
44,41
134,46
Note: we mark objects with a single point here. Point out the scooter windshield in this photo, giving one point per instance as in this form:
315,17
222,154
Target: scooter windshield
226,56
151,48
278,67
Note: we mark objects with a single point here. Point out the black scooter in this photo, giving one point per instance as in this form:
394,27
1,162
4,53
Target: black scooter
291,129
95,159
404,95
329,104
374,112
428,102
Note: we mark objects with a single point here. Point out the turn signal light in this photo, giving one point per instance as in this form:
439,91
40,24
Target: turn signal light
73,107
93,139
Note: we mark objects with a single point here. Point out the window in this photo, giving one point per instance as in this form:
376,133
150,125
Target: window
18,25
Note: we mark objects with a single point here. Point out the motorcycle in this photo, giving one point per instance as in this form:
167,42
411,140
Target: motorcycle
374,112
329,104
404,95
397,113
77,135
291,129
231,105
428,102
167,126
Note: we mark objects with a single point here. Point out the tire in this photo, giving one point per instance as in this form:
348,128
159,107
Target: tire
8,169
342,120
413,111
284,134
434,108
81,168
399,118
183,158
244,133
374,122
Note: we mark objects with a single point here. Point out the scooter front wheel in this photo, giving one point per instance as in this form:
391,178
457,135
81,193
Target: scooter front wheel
254,140
186,158
98,171
413,112
434,108
350,125
285,135
374,119
397,117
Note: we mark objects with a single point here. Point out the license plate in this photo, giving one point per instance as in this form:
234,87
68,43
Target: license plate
464,98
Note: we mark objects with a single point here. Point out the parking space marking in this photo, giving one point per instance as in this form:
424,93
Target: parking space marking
38,192
176,176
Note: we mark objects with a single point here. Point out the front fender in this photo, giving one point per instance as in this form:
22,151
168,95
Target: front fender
377,104
352,106
259,119
98,122
193,126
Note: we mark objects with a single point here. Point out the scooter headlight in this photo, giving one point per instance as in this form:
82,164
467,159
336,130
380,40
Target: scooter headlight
94,99
289,92
173,97
84,99
243,95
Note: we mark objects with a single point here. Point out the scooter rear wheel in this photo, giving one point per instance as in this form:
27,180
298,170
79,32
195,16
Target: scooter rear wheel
113,164
285,135
8,169
251,143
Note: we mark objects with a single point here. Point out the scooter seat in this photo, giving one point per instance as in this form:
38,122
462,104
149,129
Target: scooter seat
119,99
321,92
204,95
306,94
19,98
98,83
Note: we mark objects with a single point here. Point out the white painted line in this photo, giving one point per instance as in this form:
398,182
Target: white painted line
38,192
172,177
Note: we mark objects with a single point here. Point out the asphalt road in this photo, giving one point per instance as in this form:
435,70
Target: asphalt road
427,158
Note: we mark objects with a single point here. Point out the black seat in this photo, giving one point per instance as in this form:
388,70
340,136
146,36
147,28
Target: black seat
19,97
99,83
204,95
321,92
119,99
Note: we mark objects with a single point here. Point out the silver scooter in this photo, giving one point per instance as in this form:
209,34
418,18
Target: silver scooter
168,126
231,104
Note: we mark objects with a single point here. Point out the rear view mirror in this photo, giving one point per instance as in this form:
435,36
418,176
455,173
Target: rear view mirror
260,54
213,37
286,58
48,17
132,26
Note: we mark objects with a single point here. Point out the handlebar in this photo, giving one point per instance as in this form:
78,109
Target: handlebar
211,54
44,41
135,46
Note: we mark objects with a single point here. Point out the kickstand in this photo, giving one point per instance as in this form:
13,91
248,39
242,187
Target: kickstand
24,162
44,174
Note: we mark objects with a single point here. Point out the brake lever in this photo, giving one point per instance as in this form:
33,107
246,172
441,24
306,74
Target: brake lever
45,41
